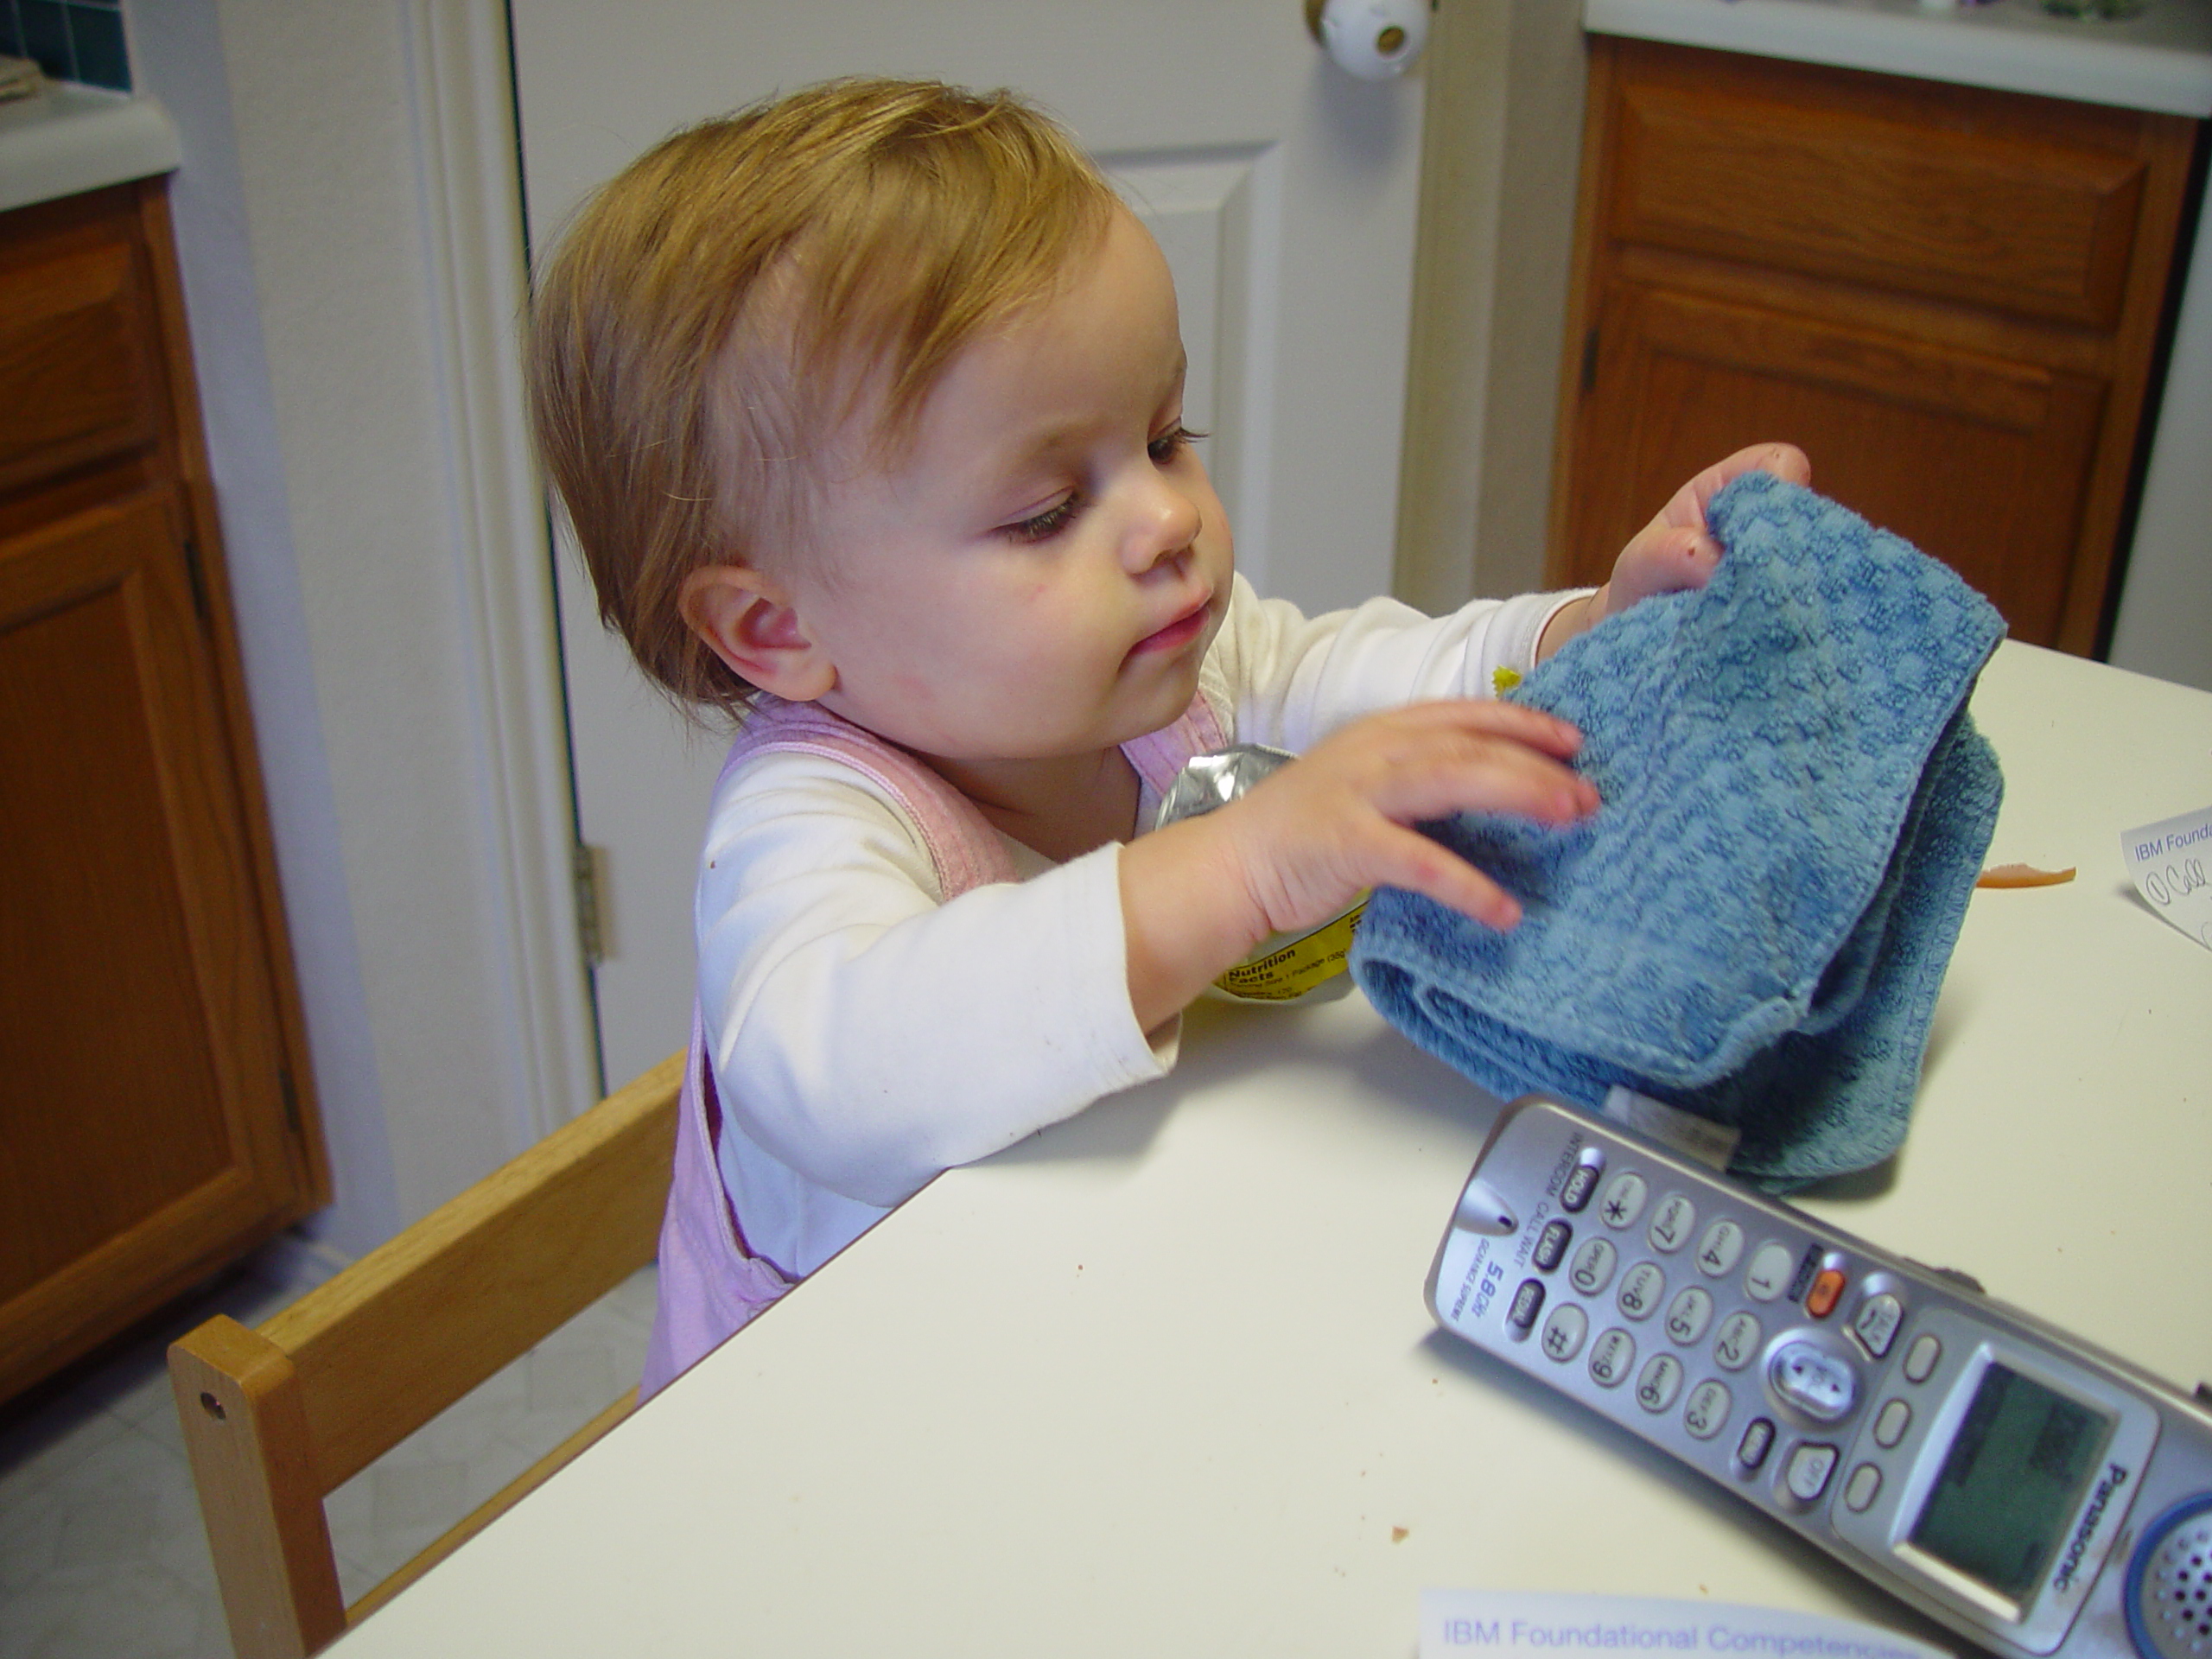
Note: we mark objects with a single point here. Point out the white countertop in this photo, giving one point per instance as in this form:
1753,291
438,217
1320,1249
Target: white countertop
2159,60
1160,1381
68,139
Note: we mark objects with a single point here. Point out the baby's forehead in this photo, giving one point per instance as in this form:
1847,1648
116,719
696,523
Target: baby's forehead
1103,352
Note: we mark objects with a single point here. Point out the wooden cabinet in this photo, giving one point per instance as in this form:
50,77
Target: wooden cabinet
155,1117
1949,297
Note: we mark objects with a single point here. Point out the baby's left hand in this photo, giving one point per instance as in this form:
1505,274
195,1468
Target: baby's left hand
1675,551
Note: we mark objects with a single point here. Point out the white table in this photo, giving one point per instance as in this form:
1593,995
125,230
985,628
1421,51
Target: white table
1160,1381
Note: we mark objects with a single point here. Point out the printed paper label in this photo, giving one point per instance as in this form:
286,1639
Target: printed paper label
1712,1144
1496,1623
2168,864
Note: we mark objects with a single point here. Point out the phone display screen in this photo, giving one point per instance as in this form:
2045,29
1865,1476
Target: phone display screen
2011,1481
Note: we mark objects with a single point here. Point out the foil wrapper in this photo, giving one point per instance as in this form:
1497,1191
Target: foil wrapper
1213,780
1303,967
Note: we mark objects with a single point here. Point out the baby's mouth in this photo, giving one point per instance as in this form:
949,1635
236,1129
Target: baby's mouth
1178,633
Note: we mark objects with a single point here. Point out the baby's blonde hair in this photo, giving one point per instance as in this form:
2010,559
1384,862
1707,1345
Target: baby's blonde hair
716,314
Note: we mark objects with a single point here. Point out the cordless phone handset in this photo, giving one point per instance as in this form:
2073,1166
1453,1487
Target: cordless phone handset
1966,1456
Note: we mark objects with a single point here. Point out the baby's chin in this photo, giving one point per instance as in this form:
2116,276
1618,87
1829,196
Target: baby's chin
1171,702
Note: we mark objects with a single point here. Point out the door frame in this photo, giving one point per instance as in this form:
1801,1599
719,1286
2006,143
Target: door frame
460,84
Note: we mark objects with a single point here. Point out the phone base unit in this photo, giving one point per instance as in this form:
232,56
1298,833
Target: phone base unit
2036,1495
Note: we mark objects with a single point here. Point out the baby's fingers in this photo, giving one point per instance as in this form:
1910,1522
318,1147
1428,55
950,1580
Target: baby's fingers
1784,460
1480,772
1663,559
1477,718
1404,859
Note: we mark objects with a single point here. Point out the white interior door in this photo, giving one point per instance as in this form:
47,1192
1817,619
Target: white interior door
1282,190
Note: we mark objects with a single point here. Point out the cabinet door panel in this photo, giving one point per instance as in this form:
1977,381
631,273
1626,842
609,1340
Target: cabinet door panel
1979,463
142,1113
2000,221
77,359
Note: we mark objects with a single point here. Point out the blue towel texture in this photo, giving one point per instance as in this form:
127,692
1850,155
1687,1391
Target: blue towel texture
1755,924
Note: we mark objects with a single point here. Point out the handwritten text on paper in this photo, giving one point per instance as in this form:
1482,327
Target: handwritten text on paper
2168,863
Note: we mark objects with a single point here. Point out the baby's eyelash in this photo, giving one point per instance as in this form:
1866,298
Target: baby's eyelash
1173,443
1049,522
1056,518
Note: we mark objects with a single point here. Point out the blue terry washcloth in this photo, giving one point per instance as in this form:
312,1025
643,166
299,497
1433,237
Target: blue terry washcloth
1755,924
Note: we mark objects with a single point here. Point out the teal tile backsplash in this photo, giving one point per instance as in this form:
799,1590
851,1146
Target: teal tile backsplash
70,39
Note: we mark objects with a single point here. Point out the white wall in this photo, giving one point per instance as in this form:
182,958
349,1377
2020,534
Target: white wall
2165,624
300,217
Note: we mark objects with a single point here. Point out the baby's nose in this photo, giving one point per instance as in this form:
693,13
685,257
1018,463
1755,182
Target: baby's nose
1167,523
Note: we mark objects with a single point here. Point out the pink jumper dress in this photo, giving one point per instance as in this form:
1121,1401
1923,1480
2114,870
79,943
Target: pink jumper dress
711,1286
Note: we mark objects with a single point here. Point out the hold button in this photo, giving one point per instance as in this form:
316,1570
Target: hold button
1582,1181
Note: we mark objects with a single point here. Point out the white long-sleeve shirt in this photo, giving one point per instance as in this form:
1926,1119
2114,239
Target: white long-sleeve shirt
865,1034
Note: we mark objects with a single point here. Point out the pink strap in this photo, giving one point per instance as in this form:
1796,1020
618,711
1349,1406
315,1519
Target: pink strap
965,849
1158,756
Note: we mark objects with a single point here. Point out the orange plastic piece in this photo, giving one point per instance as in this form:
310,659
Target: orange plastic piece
2023,875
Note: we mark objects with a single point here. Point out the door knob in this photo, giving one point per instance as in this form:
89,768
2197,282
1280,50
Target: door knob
1371,39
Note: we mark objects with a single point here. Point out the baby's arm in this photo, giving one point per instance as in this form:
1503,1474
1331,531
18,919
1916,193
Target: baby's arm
1675,550
867,1035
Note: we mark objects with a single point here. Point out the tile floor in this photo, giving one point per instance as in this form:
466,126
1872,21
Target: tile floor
101,1552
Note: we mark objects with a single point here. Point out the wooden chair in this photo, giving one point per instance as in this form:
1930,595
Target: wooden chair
277,1418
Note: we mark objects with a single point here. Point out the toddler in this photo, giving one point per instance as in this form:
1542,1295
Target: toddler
865,405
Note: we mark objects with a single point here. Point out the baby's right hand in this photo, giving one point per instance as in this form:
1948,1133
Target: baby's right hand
1197,896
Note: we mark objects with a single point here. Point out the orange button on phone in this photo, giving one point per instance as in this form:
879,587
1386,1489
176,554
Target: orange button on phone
1826,1291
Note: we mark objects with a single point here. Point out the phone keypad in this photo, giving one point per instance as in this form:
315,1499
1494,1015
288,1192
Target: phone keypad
1593,1267
1720,1249
1738,1339
1528,1302
1865,1482
1768,1276
1563,1332
1611,1356
1623,1199
1807,1474
1623,1277
1890,1423
1662,1380
1707,1414
1876,1324
1817,1383
1691,1313
1551,1245
1672,1224
1641,1288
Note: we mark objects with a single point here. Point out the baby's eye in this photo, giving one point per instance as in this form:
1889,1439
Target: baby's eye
1172,444
1047,523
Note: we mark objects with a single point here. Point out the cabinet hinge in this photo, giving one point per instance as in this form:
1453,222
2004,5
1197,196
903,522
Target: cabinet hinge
196,576
1590,363
591,927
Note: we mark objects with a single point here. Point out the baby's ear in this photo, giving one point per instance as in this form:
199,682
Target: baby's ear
747,617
